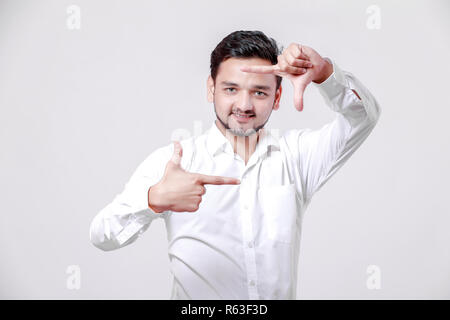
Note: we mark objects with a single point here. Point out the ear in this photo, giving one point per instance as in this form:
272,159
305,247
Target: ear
210,89
276,103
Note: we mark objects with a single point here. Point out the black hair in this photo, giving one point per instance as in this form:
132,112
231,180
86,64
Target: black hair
245,44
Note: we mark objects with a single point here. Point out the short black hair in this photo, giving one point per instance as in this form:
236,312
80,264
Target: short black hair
245,44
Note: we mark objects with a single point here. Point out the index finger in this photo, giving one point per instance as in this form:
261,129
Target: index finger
205,179
260,69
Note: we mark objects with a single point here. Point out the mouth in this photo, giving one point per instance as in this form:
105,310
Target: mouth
242,117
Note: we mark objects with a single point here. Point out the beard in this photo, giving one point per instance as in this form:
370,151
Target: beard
240,132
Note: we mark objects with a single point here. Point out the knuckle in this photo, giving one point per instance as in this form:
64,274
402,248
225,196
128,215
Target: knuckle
195,179
290,59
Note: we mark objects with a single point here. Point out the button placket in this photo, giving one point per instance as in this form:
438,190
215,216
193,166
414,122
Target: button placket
249,252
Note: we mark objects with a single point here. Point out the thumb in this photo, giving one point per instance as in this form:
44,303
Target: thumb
299,89
177,153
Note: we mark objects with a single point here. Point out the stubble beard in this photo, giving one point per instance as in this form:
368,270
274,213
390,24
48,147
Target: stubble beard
240,132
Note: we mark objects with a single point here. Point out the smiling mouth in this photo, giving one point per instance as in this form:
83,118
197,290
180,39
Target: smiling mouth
243,116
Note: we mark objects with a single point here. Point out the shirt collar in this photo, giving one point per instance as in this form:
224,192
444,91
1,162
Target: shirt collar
216,142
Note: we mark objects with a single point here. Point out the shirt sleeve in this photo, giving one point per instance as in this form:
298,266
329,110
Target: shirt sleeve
320,153
123,220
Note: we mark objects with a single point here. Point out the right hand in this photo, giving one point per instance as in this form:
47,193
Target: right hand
180,190
301,65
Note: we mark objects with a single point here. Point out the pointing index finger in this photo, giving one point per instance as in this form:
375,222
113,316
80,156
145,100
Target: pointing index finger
260,69
206,179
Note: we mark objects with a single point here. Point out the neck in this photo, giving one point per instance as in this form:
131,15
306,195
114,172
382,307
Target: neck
244,146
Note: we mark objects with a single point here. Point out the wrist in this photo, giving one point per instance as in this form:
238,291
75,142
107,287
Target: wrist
155,201
325,73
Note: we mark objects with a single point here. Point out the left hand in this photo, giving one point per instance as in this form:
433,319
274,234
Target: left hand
301,65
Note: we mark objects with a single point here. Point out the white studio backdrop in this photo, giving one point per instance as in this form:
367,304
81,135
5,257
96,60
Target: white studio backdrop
83,102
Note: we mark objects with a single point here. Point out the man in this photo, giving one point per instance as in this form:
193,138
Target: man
233,199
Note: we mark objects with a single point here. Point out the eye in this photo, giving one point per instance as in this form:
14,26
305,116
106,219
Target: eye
261,95
226,89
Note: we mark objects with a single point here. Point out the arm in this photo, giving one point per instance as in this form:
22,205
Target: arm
159,186
123,220
320,153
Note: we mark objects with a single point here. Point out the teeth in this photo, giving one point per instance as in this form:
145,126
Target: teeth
241,116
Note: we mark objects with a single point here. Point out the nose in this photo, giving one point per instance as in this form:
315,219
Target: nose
244,102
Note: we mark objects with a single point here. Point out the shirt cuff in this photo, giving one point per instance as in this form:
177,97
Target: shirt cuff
148,213
137,224
334,84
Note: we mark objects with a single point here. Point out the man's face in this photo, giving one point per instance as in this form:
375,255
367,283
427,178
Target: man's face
243,101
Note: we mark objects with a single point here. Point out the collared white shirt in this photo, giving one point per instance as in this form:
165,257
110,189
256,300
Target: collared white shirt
244,240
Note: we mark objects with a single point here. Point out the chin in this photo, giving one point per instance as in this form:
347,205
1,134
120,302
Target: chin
243,132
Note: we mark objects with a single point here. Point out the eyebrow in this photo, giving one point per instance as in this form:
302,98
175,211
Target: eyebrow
232,84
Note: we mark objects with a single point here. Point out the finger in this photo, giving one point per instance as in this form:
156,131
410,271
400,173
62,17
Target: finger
260,69
300,52
298,62
177,152
298,96
200,190
206,179
294,70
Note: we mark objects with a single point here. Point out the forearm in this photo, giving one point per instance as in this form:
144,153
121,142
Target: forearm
115,227
126,217
322,152
130,213
345,94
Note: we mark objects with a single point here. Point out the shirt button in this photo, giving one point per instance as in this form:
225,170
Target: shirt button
250,244
252,283
245,207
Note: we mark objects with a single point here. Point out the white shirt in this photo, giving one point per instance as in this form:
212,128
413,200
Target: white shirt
244,240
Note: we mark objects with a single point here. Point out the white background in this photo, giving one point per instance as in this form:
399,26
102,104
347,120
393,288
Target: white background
80,109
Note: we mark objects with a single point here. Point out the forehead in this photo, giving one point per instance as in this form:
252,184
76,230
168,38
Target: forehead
229,70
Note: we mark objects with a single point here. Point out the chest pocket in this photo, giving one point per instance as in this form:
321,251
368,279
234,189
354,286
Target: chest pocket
279,207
